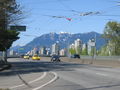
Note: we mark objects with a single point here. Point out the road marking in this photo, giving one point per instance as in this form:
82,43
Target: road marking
101,74
44,74
56,76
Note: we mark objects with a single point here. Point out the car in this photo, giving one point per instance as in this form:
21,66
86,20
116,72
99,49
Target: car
35,57
75,56
26,57
55,58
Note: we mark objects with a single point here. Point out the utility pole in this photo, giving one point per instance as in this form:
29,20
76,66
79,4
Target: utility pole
95,48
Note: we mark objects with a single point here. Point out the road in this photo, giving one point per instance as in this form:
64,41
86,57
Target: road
46,75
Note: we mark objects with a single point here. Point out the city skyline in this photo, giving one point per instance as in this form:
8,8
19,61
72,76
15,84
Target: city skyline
71,16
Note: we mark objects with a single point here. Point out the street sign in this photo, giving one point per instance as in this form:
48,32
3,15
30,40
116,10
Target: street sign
18,28
92,44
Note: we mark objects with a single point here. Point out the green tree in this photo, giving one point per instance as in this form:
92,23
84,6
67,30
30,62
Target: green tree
112,34
84,51
8,36
78,50
72,51
10,15
103,51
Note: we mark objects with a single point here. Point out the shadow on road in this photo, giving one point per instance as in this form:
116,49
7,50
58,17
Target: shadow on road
37,66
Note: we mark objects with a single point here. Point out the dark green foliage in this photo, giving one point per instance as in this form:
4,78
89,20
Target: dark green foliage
112,34
84,52
72,51
9,14
10,11
7,37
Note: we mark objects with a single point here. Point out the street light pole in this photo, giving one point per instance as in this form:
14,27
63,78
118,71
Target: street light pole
95,48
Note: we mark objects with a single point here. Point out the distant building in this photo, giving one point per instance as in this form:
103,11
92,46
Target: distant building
84,46
78,46
48,51
35,50
55,49
90,45
31,53
63,52
43,51
72,46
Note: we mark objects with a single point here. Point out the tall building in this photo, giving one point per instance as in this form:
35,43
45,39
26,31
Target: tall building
84,46
35,51
90,45
78,46
72,46
63,52
55,49
43,51
31,53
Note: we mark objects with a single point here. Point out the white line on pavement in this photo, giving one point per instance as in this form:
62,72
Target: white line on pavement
101,74
56,76
44,74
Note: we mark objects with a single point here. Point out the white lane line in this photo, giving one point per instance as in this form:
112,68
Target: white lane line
56,76
44,74
101,74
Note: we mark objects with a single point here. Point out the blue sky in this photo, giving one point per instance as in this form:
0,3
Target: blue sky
39,21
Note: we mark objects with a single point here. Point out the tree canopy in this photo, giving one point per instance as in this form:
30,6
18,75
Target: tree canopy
7,37
112,34
10,13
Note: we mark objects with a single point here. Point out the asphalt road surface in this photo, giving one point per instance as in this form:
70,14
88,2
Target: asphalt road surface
46,75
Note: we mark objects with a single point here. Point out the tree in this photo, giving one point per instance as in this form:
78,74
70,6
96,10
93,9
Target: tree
8,37
10,12
84,51
103,51
112,34
78,50
72,51
10,15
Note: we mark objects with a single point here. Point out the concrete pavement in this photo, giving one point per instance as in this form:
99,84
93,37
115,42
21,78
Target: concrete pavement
72,76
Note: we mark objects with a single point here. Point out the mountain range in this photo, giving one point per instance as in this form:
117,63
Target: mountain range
64,39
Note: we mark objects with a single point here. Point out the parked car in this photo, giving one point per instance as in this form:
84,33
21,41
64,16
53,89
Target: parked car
55,58
75,56
35,57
